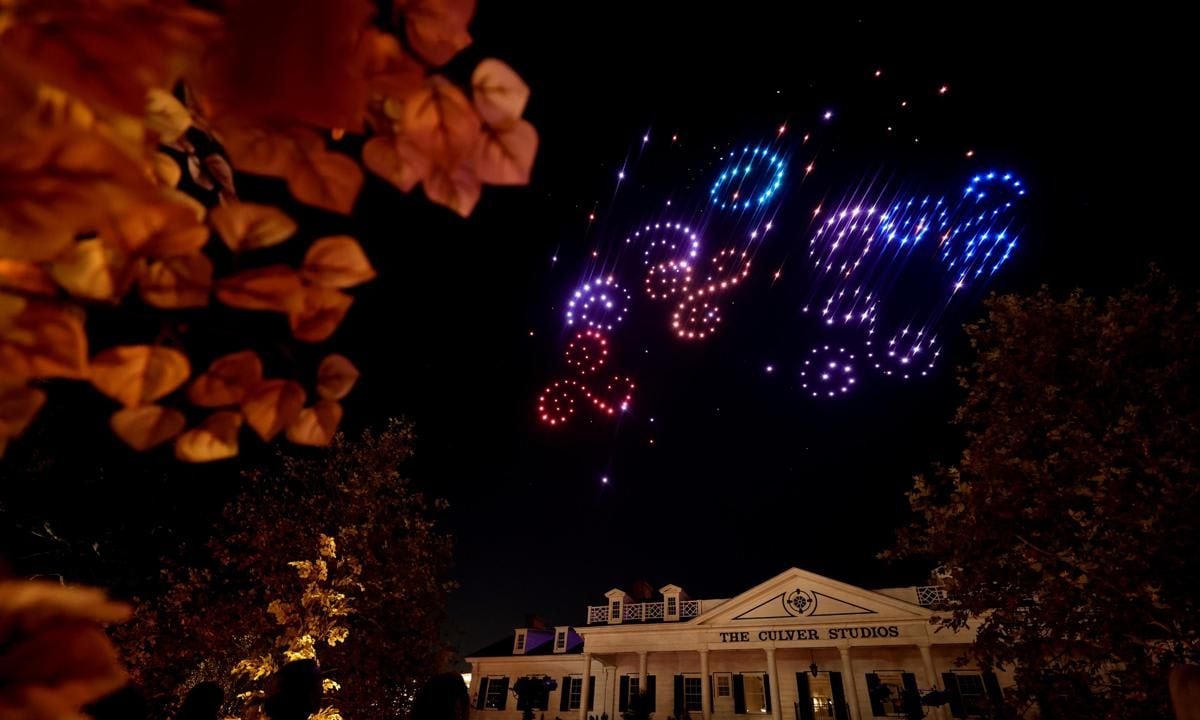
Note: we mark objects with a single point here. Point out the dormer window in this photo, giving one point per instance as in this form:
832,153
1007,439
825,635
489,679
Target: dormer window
519,643
560,640
614,609
672,606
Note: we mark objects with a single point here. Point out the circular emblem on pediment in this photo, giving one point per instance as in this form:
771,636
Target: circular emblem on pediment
798,602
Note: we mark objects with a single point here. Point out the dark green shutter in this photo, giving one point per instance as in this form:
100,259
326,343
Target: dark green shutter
564,690
650,690
912,695
591,692
804,708
503,693
992,685
872,694
739,695
955,697
841,711
623,703
544,695
479,701
767,691
678,696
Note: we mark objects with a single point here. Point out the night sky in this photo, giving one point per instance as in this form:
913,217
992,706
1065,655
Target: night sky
746,476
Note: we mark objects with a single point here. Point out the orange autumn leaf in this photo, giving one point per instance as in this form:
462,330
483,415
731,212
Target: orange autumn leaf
19,404
227,380
397,160
440,119
437,29
177,282
110,54
337,261
321,310
457,187
390,71
274,287
166,169
214,439
162,228
41,340
272,406
138,374
316,425
315,175
26,277
335,377
146,426
165,116
499,93
92,270
505,157
248,226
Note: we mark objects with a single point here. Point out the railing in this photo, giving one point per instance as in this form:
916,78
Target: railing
642,612
928,595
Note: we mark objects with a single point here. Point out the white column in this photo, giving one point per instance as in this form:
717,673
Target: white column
848,683
586,686
705,697
642,686
474,689
931,676
776,711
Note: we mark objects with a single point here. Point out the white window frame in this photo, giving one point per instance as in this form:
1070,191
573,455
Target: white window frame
762,693
893,706
717,689
975,704
560,640
487,703
519,643
633,687
575,692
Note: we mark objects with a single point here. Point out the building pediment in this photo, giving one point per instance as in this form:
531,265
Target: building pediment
800,597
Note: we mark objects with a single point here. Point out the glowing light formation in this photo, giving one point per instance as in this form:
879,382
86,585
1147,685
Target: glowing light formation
750,180
586,355
598,304
828,372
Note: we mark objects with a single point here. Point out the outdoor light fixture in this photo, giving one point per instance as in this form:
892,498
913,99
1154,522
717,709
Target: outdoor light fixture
813,669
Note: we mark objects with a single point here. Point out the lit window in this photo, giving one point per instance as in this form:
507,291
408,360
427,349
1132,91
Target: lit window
722,686
691,694
893,704
755,693
496,689
672,606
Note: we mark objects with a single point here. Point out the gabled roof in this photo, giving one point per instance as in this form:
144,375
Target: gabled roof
804,597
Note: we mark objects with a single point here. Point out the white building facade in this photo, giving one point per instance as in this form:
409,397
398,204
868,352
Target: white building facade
796,647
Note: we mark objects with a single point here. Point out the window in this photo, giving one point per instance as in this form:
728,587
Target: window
755,693
634,687
722,685
497,687
614,610
691,694
575,692
520,642
974,695
560,642
672,606
893,703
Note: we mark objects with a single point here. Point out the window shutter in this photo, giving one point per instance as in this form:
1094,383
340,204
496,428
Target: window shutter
956,704
591,692
543,701
739,695
564,689
479,701
876,704
992,685
623,703
650,691
841,711
912,695
503,682
678,696
767,691
804,707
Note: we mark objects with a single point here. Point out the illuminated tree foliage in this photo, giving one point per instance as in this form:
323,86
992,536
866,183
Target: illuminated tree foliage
122,123
1069,524
242,597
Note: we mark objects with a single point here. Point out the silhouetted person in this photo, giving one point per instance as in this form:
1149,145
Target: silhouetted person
124,704
443,697
297,692
203,702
